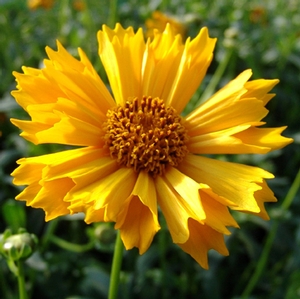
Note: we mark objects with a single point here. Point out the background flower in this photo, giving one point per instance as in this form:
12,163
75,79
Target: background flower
159,20
34,4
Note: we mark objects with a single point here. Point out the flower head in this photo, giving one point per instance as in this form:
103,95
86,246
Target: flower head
34,4
159,20
137,155
79,5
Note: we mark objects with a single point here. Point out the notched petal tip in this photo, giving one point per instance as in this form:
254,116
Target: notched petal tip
137,225
138,221
203,238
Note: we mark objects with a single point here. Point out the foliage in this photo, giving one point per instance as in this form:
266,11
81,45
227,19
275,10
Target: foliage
74,259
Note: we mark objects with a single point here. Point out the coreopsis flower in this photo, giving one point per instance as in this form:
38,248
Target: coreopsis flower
159,20
79,5
34,4
258,14
136,155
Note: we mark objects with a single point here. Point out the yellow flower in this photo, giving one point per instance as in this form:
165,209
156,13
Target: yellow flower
137,156
258,14
159,20
34,4
79,5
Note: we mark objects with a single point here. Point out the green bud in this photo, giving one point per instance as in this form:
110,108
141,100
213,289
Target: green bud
19,246
104,235
230,37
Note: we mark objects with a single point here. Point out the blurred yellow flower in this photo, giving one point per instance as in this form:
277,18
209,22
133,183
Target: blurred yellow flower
34,4
137,156
79,5
258,14
159,20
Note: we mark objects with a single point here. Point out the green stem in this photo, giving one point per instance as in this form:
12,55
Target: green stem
21,281
164,5
215,80
112,19
50,229
71,246
292,192
116,267
262,262
4,286
163,261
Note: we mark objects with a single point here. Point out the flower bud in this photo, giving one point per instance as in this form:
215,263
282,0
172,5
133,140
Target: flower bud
105,236
18,246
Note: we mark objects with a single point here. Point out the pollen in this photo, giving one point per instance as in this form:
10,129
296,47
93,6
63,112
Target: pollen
146,135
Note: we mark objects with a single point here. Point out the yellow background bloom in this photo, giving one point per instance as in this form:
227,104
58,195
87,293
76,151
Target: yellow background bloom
137,154
159,20
34,4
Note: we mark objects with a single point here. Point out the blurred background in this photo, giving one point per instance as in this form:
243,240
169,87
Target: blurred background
73,259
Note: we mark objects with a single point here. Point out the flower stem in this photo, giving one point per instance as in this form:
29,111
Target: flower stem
262,262
71,246
292,192
215,80
50,229
21,281
116,267
112,18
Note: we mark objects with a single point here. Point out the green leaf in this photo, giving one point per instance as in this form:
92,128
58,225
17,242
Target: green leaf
14,215
293,291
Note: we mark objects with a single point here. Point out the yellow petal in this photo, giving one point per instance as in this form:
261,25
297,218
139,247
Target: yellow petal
100,186
263,195
80,78
259,89
43,196
144,189
74,169
65,84
92,215
235,182
173,71
58,165
31,85
67,130
217,214
53,202
29,193
110,192
176,208
222,142
138,221
121,52
201,239
138,227
188,190
107,195
268,138
172,210
242,139
229,93
29,171
161,60
86,172
195,60
80,88
225,124
244,112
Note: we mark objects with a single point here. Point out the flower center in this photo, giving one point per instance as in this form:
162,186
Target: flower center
148,136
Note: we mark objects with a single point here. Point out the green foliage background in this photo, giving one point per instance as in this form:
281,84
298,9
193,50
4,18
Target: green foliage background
73,259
